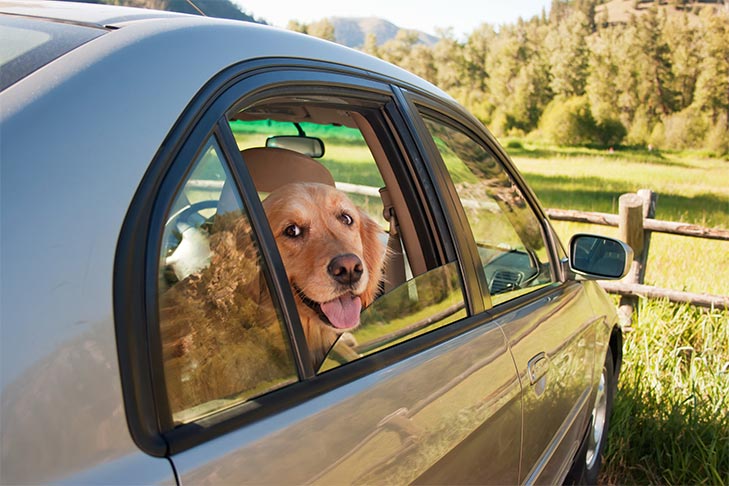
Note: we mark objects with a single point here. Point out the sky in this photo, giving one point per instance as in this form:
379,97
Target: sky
462,15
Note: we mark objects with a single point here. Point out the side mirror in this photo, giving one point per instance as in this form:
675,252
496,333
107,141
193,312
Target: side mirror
599,257
311,146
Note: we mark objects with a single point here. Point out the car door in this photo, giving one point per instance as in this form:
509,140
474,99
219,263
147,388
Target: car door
428,392
549,325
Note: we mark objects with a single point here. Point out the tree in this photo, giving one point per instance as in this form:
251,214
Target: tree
712,85
684,46
652,55
449,62
297,26
323,29
396,50
475,54
602,87
568,55
370,45
569,121
507,84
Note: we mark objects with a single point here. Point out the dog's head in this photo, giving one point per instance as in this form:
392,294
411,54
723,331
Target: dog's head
331,251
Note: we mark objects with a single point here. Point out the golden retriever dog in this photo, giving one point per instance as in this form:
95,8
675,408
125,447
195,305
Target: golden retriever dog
333,258
220,333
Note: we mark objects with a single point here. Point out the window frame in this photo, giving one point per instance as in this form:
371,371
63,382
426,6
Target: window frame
135,299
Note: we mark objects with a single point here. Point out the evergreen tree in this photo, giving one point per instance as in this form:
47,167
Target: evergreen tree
653,58
602,86
566,45
684,46
712,85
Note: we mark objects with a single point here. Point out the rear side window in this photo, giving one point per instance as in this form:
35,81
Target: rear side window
29,44
223,342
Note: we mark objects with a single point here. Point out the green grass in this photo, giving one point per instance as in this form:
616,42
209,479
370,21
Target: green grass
690,188
670,423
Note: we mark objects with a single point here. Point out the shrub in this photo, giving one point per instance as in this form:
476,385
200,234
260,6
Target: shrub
610,132
658,136
685,129
717,138
639,132
568,121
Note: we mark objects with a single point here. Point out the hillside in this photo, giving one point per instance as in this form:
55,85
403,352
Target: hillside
352,31
620,11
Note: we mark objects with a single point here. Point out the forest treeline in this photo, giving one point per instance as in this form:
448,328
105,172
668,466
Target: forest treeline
660,78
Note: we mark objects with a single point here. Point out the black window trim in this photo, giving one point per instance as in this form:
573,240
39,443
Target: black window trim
134,302
273,269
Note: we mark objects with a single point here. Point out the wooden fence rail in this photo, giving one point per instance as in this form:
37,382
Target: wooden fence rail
649,224
636,224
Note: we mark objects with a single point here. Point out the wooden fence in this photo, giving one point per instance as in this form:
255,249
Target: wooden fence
636,223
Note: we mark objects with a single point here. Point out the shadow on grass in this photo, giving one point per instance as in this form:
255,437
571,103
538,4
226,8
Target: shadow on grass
634,155
654,442
596,194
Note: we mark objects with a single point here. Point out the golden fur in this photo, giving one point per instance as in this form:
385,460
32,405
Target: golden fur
328,225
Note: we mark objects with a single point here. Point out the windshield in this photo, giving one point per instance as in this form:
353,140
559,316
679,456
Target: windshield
28,44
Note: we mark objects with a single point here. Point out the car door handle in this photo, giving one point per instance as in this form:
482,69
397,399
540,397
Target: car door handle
537,367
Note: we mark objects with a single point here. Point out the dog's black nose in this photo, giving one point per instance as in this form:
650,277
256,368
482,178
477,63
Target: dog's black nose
345,269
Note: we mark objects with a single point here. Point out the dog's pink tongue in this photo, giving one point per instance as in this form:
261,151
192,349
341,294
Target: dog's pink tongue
343,312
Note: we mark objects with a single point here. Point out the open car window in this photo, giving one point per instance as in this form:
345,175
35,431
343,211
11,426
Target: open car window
414,297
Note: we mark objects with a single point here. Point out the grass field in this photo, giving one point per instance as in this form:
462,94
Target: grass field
670,424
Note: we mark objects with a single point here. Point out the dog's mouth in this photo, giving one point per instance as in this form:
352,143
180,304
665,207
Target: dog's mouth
340,313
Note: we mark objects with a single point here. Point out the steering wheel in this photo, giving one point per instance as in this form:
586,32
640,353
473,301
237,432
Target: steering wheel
184,214
186,245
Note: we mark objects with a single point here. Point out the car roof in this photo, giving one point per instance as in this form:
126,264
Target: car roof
99,15
289,44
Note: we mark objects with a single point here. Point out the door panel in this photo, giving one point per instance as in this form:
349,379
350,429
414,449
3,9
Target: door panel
448,415
559,331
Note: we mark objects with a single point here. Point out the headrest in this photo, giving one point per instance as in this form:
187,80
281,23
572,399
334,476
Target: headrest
271,168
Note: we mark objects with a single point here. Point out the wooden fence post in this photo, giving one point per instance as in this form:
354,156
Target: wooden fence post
632,233
649,199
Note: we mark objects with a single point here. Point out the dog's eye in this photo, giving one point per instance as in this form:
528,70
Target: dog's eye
292,231
346,219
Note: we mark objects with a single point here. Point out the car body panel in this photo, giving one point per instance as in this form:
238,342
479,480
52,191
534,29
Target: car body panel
390,426
560,326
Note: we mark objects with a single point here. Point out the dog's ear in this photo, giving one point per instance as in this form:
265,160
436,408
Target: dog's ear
374,251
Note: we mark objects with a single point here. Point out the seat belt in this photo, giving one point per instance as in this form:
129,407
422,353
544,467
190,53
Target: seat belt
395,266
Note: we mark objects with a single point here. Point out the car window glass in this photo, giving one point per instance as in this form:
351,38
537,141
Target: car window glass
506,230
222,340
422,304
409,302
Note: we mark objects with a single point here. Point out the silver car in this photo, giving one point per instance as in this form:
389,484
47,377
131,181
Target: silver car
144,341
